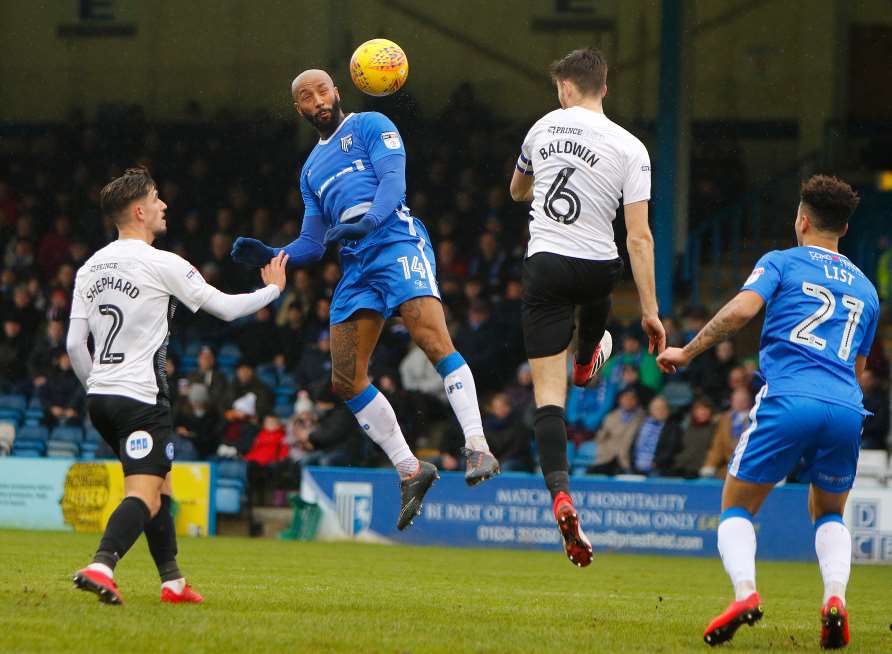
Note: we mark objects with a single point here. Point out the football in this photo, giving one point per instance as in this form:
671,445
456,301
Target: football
379,67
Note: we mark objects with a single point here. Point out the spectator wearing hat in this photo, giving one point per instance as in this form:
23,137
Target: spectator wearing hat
199,421
334,438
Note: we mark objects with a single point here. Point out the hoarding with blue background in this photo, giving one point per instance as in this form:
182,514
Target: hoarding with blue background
514,510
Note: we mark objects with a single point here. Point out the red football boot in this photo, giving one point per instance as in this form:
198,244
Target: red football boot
96,582
746,611
834,624
188,596
583,373
576,545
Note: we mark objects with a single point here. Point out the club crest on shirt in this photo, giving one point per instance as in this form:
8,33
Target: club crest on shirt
346,142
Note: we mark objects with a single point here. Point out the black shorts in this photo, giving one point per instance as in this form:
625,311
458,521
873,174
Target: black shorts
140,434
553,286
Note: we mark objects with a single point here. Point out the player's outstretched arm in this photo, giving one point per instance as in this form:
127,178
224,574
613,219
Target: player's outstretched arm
230,307
306,248
78,352
640,243
727,322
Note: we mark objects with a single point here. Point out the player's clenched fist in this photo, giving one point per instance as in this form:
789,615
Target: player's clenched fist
251,252
274,271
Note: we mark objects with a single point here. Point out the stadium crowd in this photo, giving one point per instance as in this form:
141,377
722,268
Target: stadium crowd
259,389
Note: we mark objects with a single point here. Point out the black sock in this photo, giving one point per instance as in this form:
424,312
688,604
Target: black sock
162,537
592,322
551,437
124,526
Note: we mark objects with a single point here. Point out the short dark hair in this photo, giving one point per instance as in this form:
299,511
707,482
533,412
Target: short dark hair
586,68
831,201
117,195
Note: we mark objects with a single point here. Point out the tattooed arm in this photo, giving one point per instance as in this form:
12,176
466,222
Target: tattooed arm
724,324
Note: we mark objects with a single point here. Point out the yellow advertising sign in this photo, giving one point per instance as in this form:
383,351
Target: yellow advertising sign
93,490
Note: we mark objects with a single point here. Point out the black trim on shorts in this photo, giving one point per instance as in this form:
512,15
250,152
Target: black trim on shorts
553,286
140,434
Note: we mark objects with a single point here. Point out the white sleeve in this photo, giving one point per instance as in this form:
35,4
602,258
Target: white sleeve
229,307
76,344
525,160
636,182
78,306
182,280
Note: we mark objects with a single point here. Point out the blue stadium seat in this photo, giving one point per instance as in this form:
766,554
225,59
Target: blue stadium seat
13,401
188,364
21,445
11,415
228,496
678,394
27,453
192,349
585,456
571,450
232,469
33,416
35,403
66,433
62,449
33,432
88,450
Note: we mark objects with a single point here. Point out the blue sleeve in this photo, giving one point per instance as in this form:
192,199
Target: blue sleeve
380,136
766,276
308,247
391,172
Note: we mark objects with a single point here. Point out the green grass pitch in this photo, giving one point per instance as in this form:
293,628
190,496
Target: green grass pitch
274,596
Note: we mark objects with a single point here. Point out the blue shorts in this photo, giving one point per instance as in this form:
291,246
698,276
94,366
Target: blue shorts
382,277
788,430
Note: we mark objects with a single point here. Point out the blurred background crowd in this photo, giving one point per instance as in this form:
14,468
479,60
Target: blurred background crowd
259,389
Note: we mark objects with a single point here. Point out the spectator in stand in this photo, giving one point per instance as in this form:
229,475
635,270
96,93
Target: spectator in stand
229,275
587,407
633,354
731,424
334,439
315,363
479,342
53,249
520,394
331,275
268,464
489,262
27,314
199,421
617,435
13,373
45,352
449,262
713,381
418,374
293,336
212,378
259,340
245,385
875,435
63,395
683,445
241,426
646,442
508,437
632,379
276,373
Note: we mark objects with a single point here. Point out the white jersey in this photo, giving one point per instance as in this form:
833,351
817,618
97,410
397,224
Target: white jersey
128,293
583,164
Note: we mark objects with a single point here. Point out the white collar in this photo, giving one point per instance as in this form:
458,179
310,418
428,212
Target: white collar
343,122
818,247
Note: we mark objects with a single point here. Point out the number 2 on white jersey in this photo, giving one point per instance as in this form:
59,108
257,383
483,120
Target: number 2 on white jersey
803,332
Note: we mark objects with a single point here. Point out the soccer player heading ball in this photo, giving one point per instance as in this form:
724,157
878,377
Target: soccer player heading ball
353,185
820,320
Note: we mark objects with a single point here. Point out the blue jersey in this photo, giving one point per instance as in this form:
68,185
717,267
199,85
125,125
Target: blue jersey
338,182
821,312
